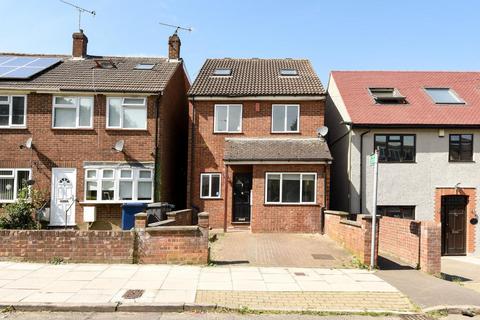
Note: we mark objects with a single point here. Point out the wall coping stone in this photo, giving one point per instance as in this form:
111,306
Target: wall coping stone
171,228
337,213
351,223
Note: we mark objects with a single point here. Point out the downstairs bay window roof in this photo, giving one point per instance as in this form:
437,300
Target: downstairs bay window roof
276,150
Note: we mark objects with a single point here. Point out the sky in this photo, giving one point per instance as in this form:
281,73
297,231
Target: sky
334,35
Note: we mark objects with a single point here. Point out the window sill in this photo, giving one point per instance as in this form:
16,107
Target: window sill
204,198
125,129
461,161
13,128
84,129
227,132
114,202
290,204
285,132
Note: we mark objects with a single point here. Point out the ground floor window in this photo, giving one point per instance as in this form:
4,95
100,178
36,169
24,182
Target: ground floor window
11,181
290,188
118,184
403,212
210,185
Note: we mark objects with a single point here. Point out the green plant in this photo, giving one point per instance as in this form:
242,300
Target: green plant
356,263
56,260
21,213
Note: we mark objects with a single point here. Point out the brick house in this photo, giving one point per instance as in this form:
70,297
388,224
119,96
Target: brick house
426,128
94,132
255,159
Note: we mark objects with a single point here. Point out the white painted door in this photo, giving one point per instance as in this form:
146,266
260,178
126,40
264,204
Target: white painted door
62,210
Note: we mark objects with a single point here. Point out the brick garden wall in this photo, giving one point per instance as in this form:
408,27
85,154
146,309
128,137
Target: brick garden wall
355,236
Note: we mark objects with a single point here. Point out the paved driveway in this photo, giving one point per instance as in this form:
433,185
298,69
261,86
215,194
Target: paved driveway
278,250
464,271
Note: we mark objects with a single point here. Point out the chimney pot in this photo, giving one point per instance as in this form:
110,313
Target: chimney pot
80,42
174,44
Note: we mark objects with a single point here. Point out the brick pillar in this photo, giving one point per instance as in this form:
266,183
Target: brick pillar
203,220
430,247
366,221
141,220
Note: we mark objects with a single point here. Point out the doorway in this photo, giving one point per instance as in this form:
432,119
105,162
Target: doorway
63,197
454,231
242,189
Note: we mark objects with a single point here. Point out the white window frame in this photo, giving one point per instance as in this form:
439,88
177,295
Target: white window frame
450,90
116,179
122,105
10,112
210,175
76,106
15,181
215,127
280,202
285,119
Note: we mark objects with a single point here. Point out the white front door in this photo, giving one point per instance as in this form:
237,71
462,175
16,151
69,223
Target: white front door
62,210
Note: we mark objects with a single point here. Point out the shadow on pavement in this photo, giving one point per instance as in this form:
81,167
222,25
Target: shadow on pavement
385,263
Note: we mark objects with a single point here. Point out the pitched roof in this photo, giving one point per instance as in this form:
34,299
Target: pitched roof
256,77
82,75
276,149
420,110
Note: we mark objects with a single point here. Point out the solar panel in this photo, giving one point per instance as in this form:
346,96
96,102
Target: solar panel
12,67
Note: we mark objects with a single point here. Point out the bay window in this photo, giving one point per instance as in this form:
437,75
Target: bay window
72,112
13,111
11,181
290,188
118,184
127,113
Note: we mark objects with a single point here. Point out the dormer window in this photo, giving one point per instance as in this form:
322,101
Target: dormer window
144,66
387,96
288,72
105,64
222,72
443,96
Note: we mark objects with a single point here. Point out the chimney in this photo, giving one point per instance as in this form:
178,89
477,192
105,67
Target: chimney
174,46
80,41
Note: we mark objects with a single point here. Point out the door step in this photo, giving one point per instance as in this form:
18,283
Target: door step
239,228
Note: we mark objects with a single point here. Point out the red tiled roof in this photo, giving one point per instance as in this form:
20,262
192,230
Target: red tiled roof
420,110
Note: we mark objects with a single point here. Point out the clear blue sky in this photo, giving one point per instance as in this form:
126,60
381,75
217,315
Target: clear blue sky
334,35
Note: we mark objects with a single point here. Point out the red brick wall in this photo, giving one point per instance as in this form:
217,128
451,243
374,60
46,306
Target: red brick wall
208,148
355,236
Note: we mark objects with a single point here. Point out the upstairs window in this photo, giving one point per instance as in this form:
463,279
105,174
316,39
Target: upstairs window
460,147
285,118
127,113
222,72
395,148
11,181
228,118
387,96
402,212
288,72
72,112
13,111
443,96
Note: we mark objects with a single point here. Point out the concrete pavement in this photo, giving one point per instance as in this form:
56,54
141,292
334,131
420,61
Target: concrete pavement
279,288
464,271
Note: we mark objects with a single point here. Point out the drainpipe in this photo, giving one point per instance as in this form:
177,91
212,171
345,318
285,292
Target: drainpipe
361,169
157,164
225,201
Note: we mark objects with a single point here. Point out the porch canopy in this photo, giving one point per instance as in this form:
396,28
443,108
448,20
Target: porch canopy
276,151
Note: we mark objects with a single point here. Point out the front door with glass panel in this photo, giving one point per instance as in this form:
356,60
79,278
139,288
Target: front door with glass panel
63,197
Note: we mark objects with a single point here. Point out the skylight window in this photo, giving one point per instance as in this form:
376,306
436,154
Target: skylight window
105,64
222,72
288,72
144,66
443,96
387,96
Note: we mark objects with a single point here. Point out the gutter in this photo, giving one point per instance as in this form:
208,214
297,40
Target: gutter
361,170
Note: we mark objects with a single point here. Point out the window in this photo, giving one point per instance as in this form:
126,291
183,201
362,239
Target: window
210,185
290,188
285,118
395,148
443,96
228,118
144,66
118,184
460,147
387,96
72,112
11,181
13,111
222,72
127,113
288,72
403,212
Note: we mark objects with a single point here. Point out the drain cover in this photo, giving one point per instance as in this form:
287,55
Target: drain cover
133,294
300,274
318,256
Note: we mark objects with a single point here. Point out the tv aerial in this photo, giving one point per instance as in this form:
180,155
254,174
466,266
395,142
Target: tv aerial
177,28
80,11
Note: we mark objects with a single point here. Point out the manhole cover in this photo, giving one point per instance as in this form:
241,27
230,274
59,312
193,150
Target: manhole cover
300,274
318,256
133,294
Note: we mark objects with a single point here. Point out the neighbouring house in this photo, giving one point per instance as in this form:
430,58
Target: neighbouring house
255,158
425,126
94,132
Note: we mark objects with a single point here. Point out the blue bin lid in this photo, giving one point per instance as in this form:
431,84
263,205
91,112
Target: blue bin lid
134,205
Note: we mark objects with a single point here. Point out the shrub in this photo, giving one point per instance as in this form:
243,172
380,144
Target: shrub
21,213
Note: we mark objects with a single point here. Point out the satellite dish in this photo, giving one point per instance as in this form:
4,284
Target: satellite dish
119,145
322,132
28,143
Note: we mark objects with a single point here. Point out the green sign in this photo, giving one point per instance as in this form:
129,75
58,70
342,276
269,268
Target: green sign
373,159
